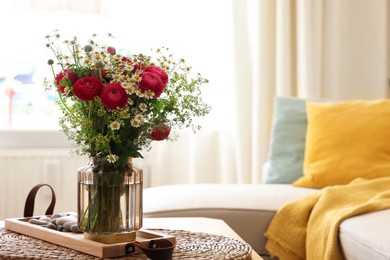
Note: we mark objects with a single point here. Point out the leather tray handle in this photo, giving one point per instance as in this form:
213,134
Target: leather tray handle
161,249
30,201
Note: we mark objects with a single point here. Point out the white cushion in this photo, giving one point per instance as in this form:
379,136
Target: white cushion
366,236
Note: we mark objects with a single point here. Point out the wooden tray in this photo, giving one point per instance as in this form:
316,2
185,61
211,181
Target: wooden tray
78,242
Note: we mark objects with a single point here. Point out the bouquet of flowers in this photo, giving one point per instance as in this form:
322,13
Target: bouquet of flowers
115,105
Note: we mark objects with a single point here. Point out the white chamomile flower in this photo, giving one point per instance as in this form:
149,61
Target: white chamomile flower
149,94
119,70
97,56
129,89
129,66
115,125
116,77
124,114
135,78
135,122
143,107
139,117
112,158
139,93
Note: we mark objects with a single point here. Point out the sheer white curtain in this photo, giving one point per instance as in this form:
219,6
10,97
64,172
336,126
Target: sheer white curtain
251,50
344,49
323,48
302,48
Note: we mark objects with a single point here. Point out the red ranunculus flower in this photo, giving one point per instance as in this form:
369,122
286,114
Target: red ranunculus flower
151,81
126,59
87,88
136,67
160,133
159,71
66,74
114,96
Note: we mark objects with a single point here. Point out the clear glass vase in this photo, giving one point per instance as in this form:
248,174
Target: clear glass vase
109,201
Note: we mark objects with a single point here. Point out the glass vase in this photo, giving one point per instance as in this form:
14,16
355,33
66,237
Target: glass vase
109,201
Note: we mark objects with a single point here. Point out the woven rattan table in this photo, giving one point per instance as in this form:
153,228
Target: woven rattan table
197,238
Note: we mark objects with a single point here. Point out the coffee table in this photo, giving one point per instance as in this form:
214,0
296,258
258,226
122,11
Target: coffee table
207,225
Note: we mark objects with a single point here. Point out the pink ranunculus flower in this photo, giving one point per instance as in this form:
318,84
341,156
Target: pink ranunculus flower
111,50
159,71
160,133
66,74
114,96
151,81
87,88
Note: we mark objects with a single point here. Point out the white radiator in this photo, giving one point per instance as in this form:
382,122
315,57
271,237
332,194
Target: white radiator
22,169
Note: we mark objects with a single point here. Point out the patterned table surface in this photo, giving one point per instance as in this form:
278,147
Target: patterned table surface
220,242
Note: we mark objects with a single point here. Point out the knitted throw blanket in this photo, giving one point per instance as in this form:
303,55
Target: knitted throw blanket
307,228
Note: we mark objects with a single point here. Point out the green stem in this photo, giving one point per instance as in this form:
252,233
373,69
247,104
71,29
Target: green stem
104,211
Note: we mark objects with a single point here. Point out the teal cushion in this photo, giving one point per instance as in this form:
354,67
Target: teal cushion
288,136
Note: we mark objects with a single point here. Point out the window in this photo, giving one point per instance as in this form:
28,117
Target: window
196,30
24,103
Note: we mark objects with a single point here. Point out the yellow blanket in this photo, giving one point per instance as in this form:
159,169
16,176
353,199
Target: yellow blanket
308,227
